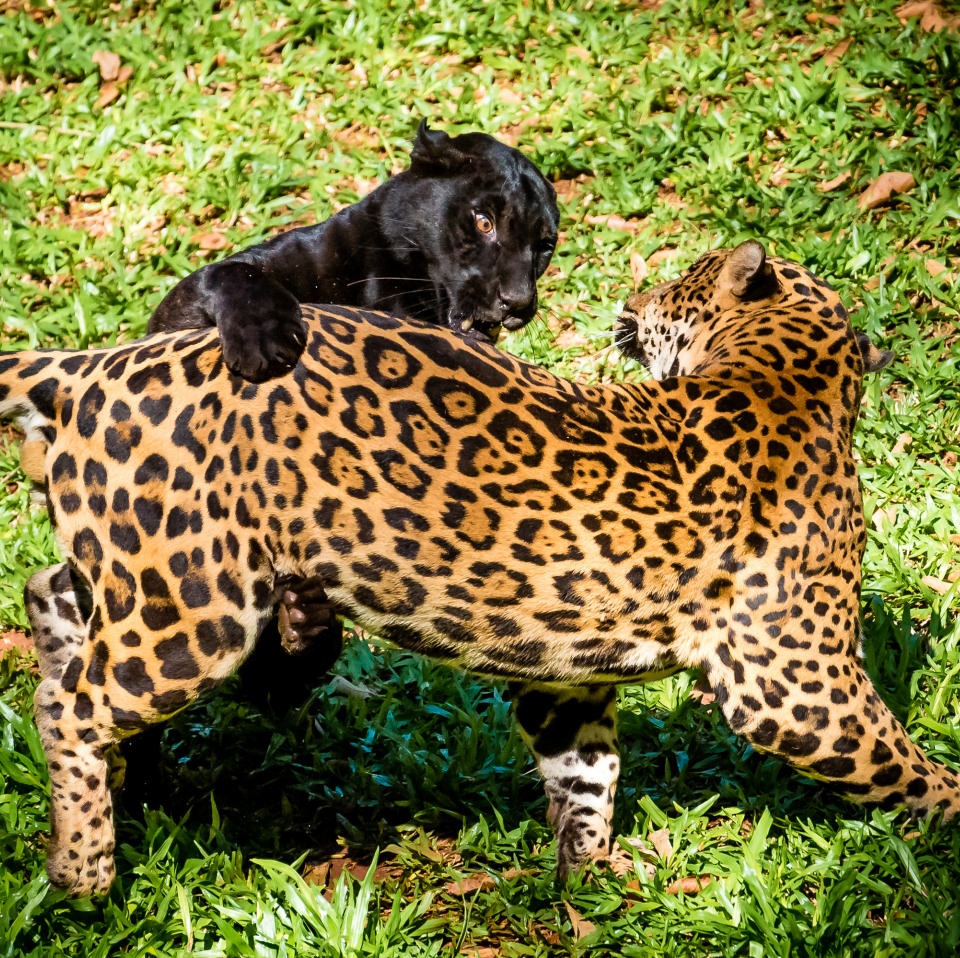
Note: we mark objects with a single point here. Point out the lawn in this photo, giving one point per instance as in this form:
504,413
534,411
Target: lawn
142,139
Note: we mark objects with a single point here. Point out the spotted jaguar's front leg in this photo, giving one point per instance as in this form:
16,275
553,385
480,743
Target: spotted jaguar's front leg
573,735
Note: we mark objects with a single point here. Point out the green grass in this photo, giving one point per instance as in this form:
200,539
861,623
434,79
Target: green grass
694,125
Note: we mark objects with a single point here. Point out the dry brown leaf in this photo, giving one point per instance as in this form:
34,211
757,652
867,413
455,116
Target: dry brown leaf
211,240
817,17
954,538
109,64
480,881
638,268
509,95
939,586
547,934
940,271
108,93
621,862
933,19
690,885
480,951
15,639
884,188
835,183
661,256
327,872
570,338
883,516
614,222
660,839
900,446
581,927
703,692
579,52
837,51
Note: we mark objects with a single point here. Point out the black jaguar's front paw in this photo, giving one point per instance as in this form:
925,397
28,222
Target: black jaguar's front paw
308,623
260,325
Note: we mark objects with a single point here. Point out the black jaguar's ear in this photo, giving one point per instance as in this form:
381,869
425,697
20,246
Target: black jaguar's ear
435,152
746,272
873,358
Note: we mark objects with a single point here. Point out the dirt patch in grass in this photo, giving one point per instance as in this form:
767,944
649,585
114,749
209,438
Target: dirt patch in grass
15,639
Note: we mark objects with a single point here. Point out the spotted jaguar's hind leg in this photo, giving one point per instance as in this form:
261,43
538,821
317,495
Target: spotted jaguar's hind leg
56,619
572,732
806,698
80,849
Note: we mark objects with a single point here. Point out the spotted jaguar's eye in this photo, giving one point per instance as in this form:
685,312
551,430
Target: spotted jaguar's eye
483,222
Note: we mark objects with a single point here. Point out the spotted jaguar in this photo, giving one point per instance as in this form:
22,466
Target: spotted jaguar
479,510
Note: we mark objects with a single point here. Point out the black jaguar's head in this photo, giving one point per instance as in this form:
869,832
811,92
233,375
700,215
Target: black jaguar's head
486,227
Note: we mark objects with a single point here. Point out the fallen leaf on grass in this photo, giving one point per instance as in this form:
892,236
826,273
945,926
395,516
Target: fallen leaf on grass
837,51
690,885
14,639
662,255
109,64
931,14
326,873
835,183
108,93
570,338
884,188
827,18
550,936
614,222
660,839
703,692
581,927
638,268
900,446
940,271
939,586
211,241
481,881
883,517
621,862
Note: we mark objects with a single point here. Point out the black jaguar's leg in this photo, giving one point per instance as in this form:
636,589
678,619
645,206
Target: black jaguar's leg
259,321
573,735
307,619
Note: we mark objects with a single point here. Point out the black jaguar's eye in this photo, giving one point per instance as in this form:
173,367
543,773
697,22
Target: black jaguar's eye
483,222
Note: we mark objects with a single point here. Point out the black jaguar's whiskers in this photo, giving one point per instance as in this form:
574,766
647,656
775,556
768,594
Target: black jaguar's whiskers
395,279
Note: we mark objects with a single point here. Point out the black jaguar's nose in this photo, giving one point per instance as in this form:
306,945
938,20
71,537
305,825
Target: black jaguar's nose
517,307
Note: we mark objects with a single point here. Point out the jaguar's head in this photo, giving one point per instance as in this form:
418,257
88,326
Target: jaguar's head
730,306
668,328
487,227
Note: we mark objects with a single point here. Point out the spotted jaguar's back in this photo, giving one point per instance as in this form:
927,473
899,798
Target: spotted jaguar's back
476,509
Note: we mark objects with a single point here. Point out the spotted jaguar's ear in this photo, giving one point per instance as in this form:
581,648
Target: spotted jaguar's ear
873,358
435,152
746,272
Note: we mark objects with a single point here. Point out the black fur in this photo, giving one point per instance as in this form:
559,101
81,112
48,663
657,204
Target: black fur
412,246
